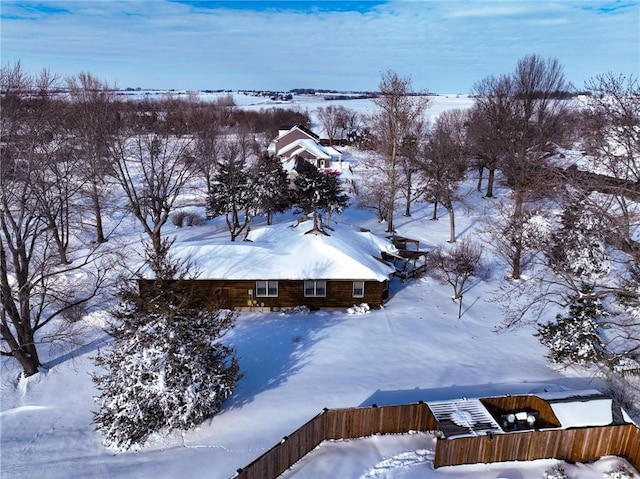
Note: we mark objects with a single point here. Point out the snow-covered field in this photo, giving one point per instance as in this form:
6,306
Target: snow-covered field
415,348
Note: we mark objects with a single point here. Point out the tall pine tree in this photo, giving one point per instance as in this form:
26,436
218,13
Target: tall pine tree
168,367
271,187
233,195
575,338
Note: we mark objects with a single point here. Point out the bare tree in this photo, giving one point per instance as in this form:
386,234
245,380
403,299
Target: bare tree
209,140
56,182
486,127
351,125
371,187
398,109
444,162
338,121
94,118
37,292
152,167
456,265
410,149
531,114
612,139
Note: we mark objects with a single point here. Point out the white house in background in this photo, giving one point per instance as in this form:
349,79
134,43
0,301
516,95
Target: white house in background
289,135
322,157
300,142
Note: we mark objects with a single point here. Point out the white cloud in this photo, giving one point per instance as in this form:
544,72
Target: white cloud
443,45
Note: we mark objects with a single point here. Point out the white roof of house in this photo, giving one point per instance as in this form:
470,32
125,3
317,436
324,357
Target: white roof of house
285,252
297,147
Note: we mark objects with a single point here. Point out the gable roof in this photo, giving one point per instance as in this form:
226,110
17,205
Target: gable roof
286,252
299,127
297,147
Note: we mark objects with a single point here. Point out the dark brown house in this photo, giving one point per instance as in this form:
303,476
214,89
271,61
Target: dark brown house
289,265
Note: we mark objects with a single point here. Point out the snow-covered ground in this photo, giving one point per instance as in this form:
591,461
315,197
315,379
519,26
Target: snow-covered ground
295,364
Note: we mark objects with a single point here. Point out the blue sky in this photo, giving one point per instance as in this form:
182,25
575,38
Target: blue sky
445,46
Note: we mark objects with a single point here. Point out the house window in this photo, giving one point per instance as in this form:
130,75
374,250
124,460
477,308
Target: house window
267,288
358,289
316,289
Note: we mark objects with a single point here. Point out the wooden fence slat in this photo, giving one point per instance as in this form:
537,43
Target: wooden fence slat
577,445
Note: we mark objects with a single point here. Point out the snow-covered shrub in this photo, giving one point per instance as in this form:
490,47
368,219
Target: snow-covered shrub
167,369
361,308
301,309
621,472
193,219
574,338
555,472
177,218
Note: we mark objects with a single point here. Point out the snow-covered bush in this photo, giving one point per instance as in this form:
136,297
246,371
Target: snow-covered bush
167,369
177,218
300,309
574,338
621,472
555,472
361,308
193,219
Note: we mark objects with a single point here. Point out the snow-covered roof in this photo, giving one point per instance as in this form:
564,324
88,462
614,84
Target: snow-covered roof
463,417
584,408
297,147
282,252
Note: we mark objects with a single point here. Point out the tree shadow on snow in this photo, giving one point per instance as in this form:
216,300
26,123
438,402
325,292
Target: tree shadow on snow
273,347
78,351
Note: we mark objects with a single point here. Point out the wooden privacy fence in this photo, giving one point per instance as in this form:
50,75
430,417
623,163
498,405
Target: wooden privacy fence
578,444
338,424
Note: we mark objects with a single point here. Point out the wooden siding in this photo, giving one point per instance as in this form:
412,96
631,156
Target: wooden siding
290,294
507,404
574,445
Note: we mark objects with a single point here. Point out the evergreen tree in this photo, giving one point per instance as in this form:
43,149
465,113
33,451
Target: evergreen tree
575,338
307,189
334,198
578,247
233,195
319,191
271,190
167,368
